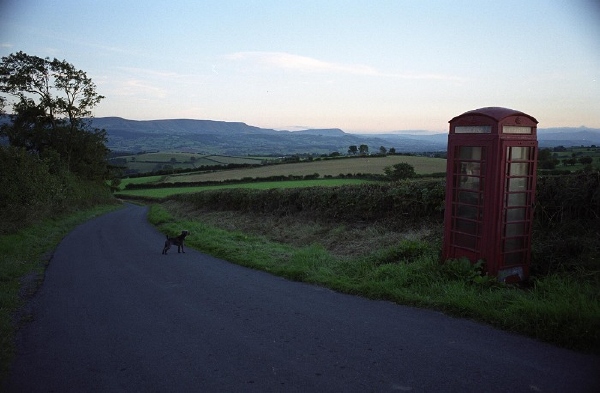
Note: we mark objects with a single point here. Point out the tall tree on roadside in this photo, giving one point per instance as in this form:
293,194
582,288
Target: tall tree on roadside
52,103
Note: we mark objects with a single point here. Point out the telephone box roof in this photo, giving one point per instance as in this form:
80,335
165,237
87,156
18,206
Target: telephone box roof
494,112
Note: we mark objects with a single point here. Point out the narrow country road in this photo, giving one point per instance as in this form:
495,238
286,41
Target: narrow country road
114,315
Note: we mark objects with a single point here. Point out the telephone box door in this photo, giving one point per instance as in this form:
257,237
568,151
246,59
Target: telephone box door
520,160
468,178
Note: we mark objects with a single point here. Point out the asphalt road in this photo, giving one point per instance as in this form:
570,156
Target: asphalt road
114,315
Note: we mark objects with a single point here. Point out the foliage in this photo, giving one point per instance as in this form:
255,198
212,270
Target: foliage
33,189
135,191
568,197
414,200
51,101
546,160
400,171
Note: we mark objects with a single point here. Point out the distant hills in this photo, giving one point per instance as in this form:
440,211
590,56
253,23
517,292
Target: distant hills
235,138
239,139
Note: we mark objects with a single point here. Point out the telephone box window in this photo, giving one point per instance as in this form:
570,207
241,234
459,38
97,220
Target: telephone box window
515,229
518,153
516,130
516,214
518,169
473,153
516,199
473,130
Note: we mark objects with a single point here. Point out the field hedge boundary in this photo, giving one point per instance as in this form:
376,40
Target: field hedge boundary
559,199
368,202
566,220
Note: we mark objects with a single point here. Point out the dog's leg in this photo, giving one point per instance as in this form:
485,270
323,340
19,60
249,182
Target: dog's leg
167,246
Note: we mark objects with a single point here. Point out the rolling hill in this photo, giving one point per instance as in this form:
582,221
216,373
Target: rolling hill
239,139
234,138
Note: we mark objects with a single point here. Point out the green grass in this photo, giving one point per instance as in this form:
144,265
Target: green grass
326,167
557,308
23,260
148,162
164,192
139,180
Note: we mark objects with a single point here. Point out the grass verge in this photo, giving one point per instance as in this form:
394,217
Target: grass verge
24,256
559,309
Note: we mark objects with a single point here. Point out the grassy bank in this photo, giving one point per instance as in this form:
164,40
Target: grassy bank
23,261
403,267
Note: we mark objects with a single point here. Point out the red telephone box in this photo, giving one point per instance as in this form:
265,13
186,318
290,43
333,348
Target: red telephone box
490,190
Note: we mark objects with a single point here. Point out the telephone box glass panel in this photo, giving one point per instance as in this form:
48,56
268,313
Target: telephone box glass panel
517,204
516,130
473,129
468,185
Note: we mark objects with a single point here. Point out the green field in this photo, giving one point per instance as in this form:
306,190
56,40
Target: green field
140,180
164,192
149,162
325,167
577,153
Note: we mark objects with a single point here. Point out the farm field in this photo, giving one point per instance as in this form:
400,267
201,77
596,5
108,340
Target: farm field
165,192
577,153
148,162
327,167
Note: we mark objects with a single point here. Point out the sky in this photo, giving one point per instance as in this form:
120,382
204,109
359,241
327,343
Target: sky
362,66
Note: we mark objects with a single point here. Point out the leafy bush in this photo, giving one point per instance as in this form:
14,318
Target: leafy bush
567,224
568,197
401,201
32,189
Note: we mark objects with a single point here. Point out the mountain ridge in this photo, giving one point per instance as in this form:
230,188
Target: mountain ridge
239,138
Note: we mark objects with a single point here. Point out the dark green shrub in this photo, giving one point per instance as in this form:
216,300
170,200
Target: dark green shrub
33,189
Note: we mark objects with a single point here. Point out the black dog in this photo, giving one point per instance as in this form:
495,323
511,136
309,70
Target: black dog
178,241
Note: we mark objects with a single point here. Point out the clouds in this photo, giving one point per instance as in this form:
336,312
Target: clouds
291,62
356,65
304,64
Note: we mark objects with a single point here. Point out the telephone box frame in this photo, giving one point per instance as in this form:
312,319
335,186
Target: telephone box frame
490,190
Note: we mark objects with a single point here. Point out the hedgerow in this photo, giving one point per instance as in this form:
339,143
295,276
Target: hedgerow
33,189
368,202
566,220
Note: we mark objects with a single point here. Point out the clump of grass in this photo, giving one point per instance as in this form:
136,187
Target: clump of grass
557,308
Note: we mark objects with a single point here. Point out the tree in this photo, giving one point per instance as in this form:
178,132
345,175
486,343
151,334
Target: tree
587,160
353,150
363,149
51,106
546,159
382,150
400,171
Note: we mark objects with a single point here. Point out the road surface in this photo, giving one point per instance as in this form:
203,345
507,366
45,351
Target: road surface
114,315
